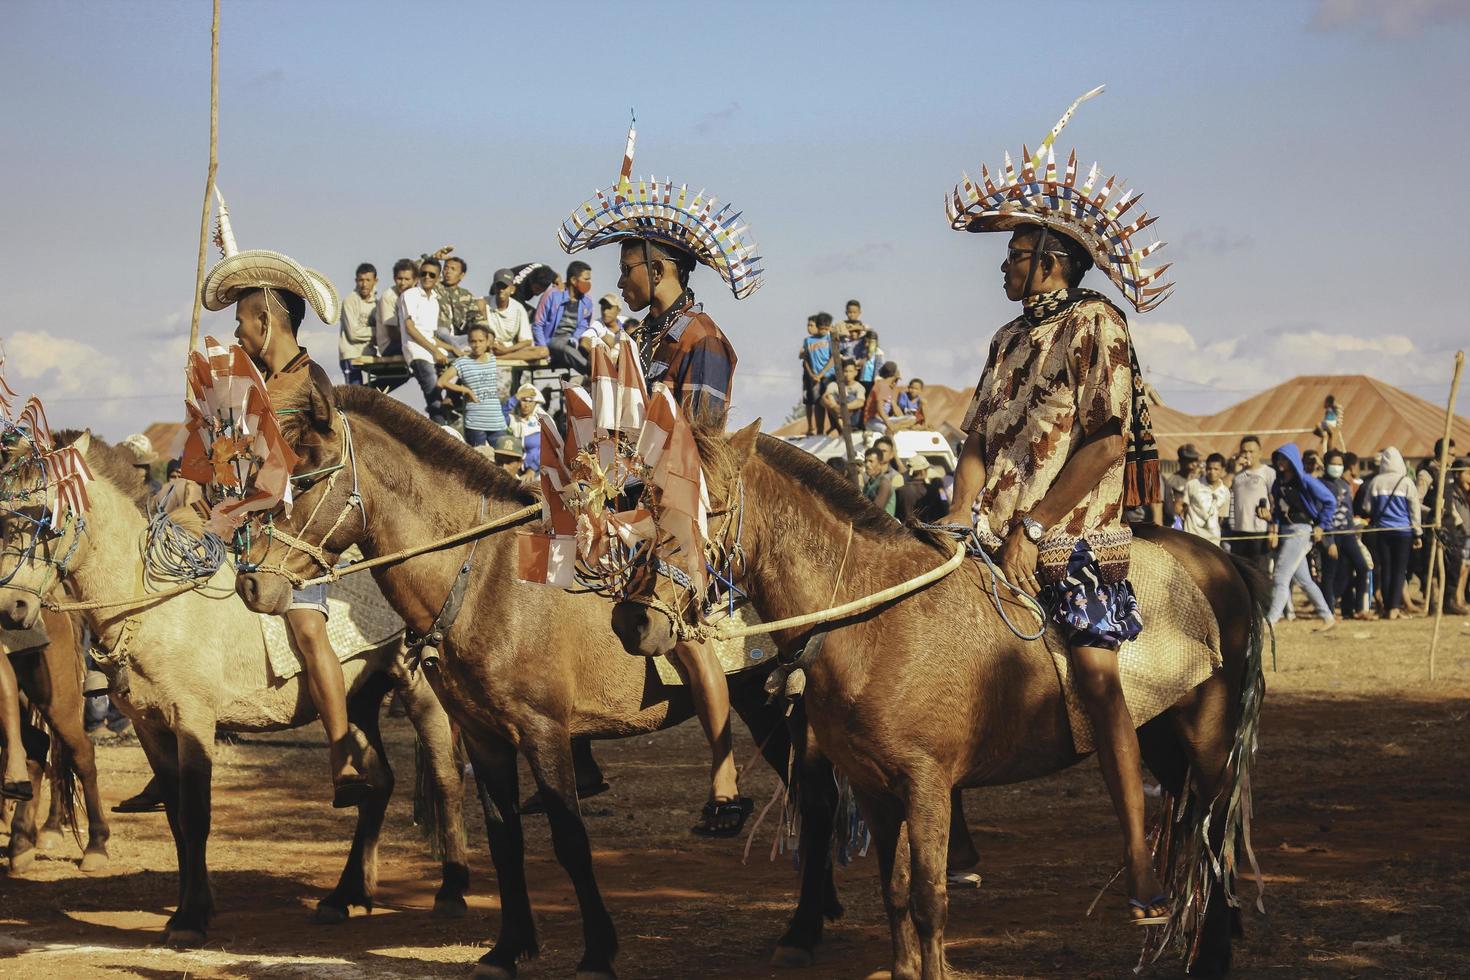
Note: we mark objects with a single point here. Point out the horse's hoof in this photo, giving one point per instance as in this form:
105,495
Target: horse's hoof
183,938
792,957
22,862
94,861
492,971
48,840
329,915
450,907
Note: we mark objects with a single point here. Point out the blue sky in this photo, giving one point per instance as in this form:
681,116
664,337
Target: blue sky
1304,159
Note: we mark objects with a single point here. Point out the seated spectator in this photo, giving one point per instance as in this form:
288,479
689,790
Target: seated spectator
525,426
862,343
911,403
818,369
845,396
510,328
459,309
877,487
608,326
920,498
564,316
880,409
477,378
387,339
1206,500
358,323
418,312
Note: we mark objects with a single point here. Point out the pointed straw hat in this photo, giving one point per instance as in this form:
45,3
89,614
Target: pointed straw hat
257,269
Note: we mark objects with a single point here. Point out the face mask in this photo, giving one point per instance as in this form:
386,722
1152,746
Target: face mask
1334,470
584,286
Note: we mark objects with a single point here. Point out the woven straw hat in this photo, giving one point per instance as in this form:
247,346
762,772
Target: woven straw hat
259,268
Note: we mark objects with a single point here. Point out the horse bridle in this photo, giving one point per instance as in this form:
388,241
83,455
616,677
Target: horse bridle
347,460
39,537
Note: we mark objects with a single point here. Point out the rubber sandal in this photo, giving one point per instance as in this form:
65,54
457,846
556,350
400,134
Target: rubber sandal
958,880
716,811
146,800
350,792
535,804
20,790
1162,898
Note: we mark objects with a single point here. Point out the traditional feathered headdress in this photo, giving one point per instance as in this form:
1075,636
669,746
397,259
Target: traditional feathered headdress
1091,214
657,211
258,268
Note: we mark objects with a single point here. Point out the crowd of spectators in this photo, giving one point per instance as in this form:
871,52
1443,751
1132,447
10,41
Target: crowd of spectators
1350,534
846,384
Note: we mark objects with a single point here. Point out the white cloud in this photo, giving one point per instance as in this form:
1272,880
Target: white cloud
1388,18
63,367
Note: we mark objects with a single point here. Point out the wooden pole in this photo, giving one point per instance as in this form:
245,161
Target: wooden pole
1436,559
209,181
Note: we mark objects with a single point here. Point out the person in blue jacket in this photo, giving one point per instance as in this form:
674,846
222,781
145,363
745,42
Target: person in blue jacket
1393,516
1301,509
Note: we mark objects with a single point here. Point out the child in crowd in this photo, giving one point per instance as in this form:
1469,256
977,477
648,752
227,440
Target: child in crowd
526,426
1330,430
862,344
911,402
476,376
880,412
817,368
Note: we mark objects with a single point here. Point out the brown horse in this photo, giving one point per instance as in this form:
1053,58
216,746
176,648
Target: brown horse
521,668
50,677
882,679
197,662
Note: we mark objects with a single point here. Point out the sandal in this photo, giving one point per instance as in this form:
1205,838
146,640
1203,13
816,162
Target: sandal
723,818
535,804
20,790
958,880
350,791
149,799
1162,898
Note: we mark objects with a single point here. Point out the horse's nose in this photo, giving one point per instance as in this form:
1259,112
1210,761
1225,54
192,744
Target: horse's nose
642,634
249,589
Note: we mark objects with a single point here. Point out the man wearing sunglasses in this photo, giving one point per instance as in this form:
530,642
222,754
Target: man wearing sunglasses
418,316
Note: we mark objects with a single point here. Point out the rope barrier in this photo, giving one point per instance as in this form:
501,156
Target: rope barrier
1232,432
1330,534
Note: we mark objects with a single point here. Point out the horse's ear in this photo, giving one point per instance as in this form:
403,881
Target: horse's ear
83,442
320,405
742,443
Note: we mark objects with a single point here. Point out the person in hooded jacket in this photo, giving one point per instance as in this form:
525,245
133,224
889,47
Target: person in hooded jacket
1345,566
1392,501
1301,510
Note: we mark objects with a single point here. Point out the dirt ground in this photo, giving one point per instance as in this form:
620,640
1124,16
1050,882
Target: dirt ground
1362,829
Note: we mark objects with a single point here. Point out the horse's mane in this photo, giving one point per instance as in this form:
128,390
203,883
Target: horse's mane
433,443
113,462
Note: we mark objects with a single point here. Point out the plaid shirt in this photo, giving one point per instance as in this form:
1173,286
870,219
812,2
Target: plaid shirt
694,358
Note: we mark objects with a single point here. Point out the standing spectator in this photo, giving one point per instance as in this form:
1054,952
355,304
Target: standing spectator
459,309
880,409
476,377
877,486
359,322
1344,567
1455,537
1176,484
564,315
389,336
418,311
1393,514
1330,429
1250,507
526,426
845,395
818,369
1302,509
911,403
863,343
1207,500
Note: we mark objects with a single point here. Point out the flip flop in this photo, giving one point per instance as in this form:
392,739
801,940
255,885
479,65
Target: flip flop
716,811
1148,920
957,880
350,792
141,802
535,804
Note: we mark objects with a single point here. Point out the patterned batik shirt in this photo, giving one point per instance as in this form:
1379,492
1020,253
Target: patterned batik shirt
1055,375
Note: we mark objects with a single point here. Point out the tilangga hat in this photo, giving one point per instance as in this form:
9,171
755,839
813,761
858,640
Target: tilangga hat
1089,214
259,268
658,211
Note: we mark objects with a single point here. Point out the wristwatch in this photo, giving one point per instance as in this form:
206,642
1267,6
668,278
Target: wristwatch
1032,529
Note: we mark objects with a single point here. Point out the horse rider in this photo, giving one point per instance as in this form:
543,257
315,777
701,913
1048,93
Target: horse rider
664,233
1055,432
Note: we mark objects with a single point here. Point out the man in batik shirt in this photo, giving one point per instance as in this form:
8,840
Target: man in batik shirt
1044,453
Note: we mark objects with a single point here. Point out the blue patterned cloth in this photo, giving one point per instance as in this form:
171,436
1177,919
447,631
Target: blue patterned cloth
1091,613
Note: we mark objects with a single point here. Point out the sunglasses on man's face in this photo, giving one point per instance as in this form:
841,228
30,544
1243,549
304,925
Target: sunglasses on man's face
429,274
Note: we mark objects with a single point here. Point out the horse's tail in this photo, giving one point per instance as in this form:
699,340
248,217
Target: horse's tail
62,770
1213,835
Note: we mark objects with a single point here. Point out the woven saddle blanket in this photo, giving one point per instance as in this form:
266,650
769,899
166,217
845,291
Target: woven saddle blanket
358,619
735,656
1178,649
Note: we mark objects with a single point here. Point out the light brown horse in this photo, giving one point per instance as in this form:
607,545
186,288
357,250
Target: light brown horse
934,691
521,668
50,677
194,663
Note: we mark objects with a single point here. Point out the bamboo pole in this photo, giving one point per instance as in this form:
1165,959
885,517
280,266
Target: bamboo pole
1436,559
209,181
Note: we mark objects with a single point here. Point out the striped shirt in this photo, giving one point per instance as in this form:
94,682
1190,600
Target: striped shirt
696,361
484,414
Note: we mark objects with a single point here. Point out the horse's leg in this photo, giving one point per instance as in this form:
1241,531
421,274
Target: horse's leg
886,822
75,756
359,879
816,796
161,747
195,741
928,816
446,792
496,778
549,752
35,744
